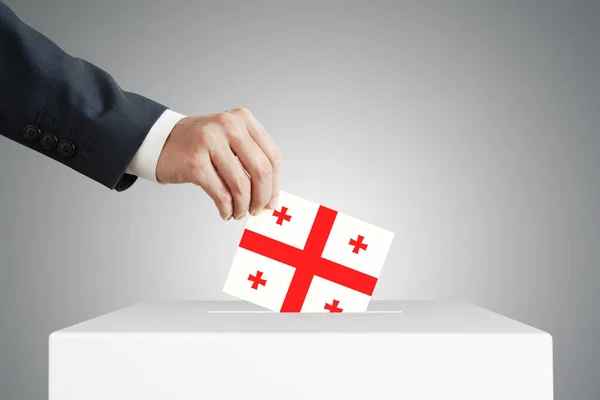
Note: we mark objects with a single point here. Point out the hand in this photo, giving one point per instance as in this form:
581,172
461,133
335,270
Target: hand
230,156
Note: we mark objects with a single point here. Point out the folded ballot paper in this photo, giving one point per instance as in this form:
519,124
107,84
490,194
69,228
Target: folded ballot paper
305,257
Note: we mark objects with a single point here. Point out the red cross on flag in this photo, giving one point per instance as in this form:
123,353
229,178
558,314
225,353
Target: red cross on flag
305,257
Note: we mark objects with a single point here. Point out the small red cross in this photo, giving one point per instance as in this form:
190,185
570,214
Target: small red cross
281,215
333,307
358,245
256,280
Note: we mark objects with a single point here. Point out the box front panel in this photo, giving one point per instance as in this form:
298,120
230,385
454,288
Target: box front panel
300,366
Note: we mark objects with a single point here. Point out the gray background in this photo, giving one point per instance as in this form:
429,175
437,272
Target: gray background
471,129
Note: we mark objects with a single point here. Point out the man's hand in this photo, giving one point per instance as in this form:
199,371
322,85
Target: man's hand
230,156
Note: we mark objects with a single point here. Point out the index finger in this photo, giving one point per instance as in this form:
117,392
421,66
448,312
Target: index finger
264,141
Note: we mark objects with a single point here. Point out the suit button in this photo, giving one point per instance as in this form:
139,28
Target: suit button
66,148
48,141
31,132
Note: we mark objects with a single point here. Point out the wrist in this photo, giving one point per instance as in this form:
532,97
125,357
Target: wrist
145,162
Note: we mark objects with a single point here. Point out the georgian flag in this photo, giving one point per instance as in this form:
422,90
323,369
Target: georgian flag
305,257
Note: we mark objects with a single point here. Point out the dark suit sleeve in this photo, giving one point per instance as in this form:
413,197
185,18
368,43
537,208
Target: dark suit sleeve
68,109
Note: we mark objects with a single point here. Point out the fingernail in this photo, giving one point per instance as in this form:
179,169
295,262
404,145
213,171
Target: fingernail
228,218
273,204
241,217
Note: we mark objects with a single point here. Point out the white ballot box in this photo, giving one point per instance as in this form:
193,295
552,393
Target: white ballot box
233,350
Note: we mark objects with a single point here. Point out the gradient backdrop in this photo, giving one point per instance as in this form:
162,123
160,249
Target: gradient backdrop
469,128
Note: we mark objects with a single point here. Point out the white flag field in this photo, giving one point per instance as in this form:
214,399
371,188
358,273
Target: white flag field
305,257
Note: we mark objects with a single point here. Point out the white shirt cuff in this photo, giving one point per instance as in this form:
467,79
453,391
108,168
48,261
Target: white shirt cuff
145,161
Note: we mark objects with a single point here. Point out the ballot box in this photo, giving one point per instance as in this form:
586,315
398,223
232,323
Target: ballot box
230,350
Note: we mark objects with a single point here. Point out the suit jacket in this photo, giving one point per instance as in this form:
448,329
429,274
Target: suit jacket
68,109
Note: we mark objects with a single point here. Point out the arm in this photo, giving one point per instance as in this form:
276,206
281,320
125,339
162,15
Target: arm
76,114
72,111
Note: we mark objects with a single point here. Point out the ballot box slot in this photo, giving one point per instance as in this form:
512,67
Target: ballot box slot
314,313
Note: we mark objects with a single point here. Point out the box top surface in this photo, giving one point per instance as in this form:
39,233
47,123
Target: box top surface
243,317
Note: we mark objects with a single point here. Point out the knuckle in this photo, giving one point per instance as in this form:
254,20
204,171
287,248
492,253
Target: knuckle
208,137
227,121
276,159
224,198
264,170
242,187
243,111
236,137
